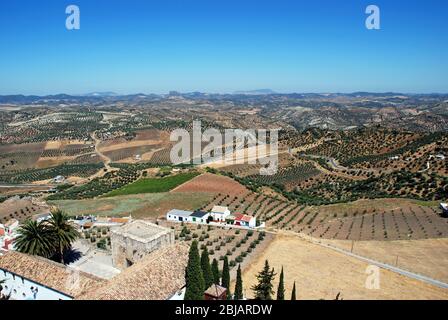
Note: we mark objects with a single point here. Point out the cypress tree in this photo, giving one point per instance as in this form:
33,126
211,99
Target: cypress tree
206,269
225,280
281,288
193,276
238,285
293,294
263,290
215,272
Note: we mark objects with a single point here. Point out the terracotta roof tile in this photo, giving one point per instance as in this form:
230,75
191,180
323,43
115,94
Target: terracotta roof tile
49,273
156,277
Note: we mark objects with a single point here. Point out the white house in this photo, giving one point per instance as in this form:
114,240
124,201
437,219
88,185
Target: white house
199,216
220,213
243,220
58,179
179,215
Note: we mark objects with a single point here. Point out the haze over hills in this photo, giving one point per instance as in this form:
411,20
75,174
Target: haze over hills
299,110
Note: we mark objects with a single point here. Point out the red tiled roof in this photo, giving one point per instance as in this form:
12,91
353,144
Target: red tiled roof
246,218
242,217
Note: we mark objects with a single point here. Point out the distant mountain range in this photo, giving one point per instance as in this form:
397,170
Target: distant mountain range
263,94
256,92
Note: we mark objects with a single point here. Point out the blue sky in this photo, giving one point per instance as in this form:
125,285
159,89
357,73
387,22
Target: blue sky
130,46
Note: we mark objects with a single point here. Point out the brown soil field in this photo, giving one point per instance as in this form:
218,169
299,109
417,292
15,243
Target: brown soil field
130,144
143,138
126,153
322,273
428,257
212,183
21,190
25,147
52,162
19,209
58,144
380,219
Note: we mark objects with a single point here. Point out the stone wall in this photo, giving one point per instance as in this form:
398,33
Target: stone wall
128,250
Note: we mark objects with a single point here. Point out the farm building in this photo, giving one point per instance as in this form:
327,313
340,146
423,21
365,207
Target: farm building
179,215
243,220
220,213
133,241
199,216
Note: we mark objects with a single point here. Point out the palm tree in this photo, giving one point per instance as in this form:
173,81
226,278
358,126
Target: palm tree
63,231
34,238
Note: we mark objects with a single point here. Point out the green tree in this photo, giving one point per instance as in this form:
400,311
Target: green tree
281,287
35,238
293,294
225,279
215,271
206,268
238,285
193,276
263,290
63,232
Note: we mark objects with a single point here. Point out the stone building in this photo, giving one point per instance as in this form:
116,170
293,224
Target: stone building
133,241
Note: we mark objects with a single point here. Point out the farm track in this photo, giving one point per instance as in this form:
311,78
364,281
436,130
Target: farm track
106,159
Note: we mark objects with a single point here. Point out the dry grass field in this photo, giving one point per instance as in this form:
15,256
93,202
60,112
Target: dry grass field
428,257
321,273
140,206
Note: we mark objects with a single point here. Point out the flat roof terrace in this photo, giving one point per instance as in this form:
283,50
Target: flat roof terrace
141,230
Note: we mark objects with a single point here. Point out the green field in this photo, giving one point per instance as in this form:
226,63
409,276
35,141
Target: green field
144,206
153,185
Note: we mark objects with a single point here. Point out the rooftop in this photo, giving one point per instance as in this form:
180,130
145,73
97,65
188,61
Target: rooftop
215,291
242,217
180,213
141,230
49,273
199,214
158,276
219,209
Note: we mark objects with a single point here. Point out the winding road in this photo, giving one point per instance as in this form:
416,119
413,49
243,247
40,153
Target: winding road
106,159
